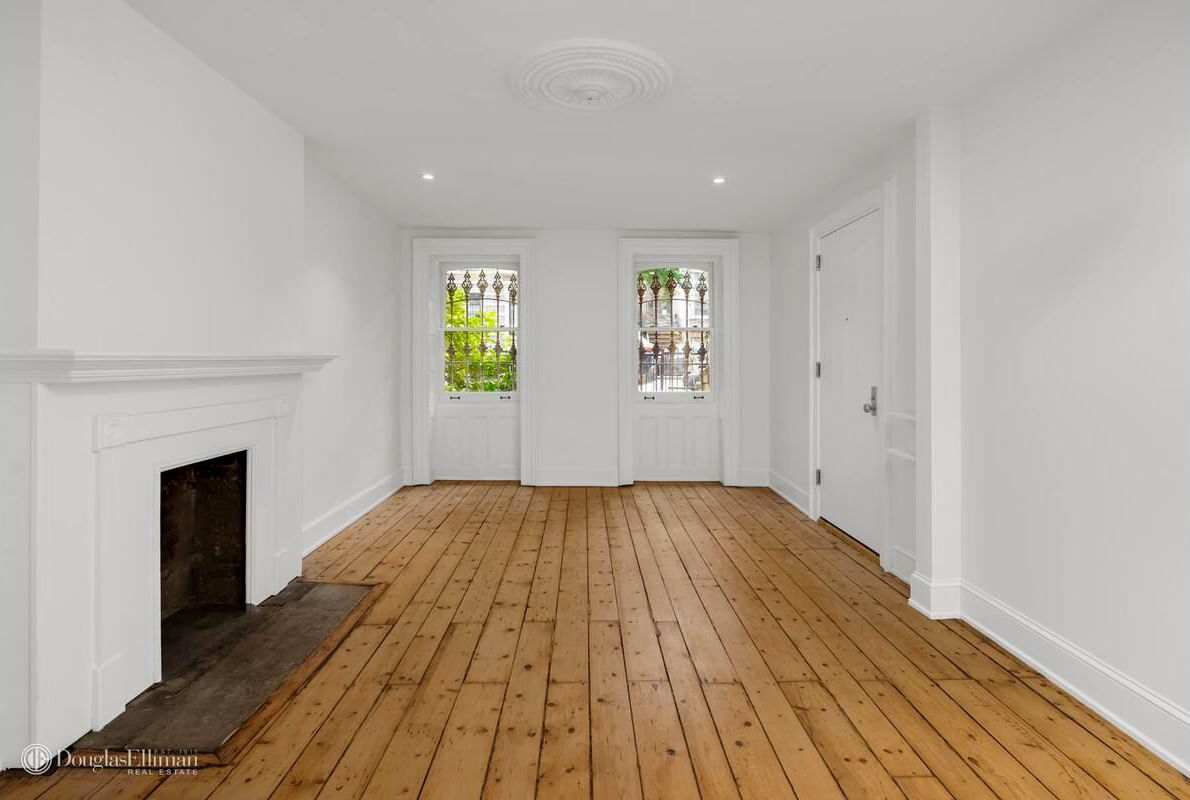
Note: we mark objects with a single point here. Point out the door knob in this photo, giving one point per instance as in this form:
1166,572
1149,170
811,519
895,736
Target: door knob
870,406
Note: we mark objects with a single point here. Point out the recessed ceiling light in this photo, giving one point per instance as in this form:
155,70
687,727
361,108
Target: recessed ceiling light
718,180
427,176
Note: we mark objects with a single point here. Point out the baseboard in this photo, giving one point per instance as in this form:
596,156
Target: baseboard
1157,722
489,474
902,564
577,477
611,477
347,512
753,476
937,599
796,495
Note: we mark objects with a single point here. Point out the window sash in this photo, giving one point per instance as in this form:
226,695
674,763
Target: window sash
474,302
471,367
643,358
674,304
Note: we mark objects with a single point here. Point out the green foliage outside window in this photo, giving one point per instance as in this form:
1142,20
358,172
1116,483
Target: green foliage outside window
477,361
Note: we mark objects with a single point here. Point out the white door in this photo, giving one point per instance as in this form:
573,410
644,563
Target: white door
850,281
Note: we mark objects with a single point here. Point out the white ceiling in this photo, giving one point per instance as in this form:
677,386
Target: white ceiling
779,95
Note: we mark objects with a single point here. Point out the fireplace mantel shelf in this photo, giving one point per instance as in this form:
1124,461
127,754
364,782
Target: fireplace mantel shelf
68,366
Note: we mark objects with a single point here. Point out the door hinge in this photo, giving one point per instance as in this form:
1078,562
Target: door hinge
818,261
817,369
817,477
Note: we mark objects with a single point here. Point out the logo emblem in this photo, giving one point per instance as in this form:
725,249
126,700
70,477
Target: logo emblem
37,759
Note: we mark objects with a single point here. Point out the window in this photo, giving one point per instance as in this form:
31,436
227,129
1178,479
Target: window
673,329
479,329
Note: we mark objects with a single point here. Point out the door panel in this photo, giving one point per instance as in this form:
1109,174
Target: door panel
850,323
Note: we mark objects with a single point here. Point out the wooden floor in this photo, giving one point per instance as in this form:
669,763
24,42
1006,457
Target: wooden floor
664,640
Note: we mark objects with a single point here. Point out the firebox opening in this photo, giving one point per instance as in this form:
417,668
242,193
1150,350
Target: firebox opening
203,534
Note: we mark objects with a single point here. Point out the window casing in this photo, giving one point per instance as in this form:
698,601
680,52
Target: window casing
480,322
673,331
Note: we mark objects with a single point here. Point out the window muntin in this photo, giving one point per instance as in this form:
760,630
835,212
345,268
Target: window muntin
673,330
479,329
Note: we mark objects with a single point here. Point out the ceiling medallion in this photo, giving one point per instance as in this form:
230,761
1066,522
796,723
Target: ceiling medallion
591,75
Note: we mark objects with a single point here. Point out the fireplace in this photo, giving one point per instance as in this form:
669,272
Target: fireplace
243,505
203,534
87,440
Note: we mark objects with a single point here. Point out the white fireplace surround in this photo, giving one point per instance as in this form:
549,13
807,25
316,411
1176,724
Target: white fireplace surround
133,451
83,442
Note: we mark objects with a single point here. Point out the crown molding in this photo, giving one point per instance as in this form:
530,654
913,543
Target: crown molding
68,366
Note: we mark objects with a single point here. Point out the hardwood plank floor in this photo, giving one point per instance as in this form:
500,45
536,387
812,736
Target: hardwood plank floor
654,641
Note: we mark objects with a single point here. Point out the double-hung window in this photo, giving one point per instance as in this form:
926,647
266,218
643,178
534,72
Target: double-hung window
479,329
673,330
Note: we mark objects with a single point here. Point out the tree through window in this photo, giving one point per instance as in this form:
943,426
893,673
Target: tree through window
673,330
479,328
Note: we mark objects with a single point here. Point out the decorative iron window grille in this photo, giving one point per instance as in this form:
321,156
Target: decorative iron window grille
673,330
479,330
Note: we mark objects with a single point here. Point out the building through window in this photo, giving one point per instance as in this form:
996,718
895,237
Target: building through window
673,329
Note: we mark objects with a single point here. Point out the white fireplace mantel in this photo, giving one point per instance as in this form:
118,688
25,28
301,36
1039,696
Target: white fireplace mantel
83,440
68,366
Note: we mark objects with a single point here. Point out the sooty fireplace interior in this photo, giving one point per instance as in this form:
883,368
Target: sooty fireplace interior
203,534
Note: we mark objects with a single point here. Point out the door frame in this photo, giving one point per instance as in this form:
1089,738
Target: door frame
427,254
725,255
882,199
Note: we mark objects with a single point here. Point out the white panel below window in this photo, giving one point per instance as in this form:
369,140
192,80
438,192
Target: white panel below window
677,442
476,441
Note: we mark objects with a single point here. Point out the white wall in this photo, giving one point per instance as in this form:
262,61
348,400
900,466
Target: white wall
20,54
756,346
577,403
350,291
1075,288
178,215
791,277
20,46
575,333
171,202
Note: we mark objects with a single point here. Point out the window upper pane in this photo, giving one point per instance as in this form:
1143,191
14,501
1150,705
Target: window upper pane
480,298
673,297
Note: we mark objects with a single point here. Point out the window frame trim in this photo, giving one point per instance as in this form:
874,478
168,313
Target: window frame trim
418,396
723,253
